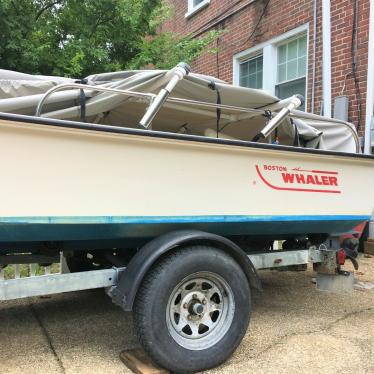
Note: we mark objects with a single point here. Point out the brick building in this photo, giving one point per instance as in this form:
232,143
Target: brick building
317,48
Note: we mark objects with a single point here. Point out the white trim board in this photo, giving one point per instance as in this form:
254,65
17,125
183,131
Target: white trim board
370,88
326,58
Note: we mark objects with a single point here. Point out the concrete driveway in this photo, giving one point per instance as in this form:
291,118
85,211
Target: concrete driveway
294,329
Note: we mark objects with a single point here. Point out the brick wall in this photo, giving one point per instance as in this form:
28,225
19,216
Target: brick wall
281,16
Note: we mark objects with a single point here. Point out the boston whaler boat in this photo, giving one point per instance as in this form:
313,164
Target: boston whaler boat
170,188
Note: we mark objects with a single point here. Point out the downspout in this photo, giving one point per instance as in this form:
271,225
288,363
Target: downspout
314,54
326,58
370,83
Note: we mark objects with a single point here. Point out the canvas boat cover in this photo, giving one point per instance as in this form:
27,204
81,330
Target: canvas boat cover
20,93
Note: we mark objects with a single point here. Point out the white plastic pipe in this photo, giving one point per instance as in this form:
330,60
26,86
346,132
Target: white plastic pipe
177,74
370,83
295,102
326,58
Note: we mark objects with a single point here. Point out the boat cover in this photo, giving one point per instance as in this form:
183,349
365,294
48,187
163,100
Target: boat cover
20,93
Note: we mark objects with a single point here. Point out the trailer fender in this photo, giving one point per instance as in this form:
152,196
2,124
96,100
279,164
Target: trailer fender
123,294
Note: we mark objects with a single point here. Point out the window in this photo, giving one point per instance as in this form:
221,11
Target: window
291,68
251,72
278,65
195,5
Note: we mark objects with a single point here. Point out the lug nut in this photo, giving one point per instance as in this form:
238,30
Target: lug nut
185,305
194,296
204,301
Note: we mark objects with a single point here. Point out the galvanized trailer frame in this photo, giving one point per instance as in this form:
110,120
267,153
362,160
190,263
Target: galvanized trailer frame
58,283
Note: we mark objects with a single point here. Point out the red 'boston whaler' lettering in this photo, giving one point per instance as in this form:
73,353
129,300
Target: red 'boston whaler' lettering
310,179
279,177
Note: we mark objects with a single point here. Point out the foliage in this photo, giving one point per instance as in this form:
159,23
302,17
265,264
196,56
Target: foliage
166,50
24,270
81,37
15,29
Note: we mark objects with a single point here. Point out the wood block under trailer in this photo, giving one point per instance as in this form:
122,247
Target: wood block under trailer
137,361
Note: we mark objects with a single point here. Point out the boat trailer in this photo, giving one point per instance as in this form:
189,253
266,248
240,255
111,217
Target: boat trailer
325,261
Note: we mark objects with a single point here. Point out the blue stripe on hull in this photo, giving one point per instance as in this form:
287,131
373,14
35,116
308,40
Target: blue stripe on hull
17,229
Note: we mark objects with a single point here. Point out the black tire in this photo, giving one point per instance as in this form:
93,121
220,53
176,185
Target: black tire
152,303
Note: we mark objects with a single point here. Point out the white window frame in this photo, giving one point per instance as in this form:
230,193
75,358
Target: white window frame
269,51
192,9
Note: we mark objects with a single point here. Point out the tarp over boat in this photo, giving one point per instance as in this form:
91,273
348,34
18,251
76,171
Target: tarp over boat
21,93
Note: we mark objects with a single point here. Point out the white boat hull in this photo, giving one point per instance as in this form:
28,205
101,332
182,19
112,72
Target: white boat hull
62,183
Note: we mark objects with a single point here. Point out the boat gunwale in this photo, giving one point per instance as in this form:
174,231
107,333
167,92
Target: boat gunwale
168,135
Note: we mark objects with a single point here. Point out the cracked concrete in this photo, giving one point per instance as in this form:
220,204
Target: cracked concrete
294,329
48,338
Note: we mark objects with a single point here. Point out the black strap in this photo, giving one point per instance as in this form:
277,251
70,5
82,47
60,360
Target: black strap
296,139
82,101
213,87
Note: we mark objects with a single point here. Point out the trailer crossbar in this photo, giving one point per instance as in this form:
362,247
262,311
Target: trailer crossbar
274,259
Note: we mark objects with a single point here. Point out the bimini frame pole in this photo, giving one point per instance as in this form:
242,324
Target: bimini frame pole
296,101
179,72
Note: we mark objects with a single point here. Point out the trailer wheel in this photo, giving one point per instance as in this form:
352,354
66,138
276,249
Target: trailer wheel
192,309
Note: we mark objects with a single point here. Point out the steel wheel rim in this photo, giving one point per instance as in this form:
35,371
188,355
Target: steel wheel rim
200,310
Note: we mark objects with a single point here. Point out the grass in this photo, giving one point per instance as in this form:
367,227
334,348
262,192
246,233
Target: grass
24,269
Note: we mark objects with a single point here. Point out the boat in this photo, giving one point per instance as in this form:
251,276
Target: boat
169,189
131,155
